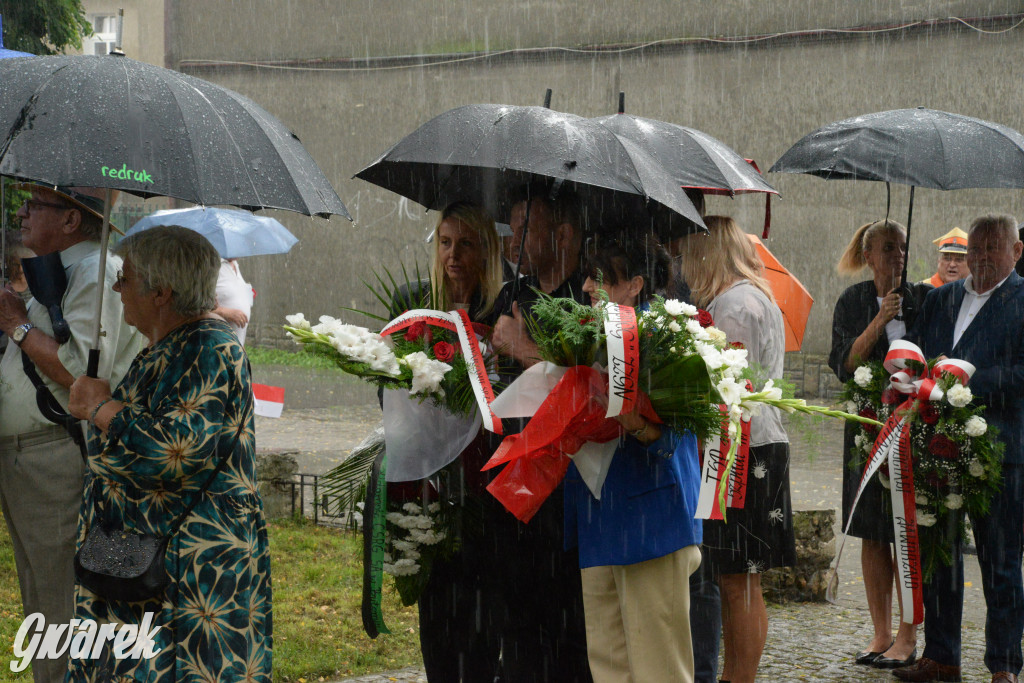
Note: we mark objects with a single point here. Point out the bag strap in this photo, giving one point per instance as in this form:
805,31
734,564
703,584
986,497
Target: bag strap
198,495
51,409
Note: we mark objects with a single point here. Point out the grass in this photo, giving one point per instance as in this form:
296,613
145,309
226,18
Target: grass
318,632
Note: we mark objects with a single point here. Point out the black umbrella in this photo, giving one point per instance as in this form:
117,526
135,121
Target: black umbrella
486,152
917,147
115,123
110,121
695,159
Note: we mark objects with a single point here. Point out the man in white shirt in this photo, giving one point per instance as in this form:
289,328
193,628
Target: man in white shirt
981,320
41,468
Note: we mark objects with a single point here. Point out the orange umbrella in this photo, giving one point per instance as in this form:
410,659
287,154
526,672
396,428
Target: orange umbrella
791,296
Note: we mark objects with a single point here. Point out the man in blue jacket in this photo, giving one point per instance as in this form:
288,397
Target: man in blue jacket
981,320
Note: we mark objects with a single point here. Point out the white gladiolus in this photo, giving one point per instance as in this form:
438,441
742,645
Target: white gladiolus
954,501
298,321
735,361
712,356
862,376
358,344
925,518
732,391
427,373
959,396
771,391
976,426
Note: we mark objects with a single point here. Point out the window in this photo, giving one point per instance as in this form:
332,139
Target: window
104,34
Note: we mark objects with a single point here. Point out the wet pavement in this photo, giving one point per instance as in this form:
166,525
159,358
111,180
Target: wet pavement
325,416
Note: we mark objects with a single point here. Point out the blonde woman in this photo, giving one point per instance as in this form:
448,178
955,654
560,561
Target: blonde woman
724,275
466,269
864,323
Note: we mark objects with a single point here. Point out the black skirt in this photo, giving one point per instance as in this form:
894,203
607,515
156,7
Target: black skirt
758,536
873,517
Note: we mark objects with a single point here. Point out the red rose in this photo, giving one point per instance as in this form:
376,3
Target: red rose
944,447
737,345
928,413
936,481
704,318
415,331
870,414
890,396
443,351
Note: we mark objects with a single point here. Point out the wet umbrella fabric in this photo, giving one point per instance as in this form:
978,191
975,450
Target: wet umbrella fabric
486,152
110,121
696,159
234,234
918,147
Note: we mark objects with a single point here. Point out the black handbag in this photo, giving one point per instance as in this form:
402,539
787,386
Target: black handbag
127,566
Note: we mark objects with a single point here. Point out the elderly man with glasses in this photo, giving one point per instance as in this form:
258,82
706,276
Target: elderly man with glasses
41,467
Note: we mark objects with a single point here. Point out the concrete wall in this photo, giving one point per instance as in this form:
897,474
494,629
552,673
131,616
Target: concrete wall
759,101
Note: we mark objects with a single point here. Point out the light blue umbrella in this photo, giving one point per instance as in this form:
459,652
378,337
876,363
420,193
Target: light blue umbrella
233,233
4,52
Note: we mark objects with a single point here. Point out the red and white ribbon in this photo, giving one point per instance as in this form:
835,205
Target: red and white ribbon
623,344
457,321
714,474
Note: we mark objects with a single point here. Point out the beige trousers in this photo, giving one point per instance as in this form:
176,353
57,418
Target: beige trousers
638,619
41,493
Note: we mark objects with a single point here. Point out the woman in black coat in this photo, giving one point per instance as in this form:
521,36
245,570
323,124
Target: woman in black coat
864,323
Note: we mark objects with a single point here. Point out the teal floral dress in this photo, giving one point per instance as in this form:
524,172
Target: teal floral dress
185,399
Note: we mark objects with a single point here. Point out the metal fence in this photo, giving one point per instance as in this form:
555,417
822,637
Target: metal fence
303,496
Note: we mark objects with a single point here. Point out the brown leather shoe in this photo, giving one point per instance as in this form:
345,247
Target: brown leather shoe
928,670
1004,677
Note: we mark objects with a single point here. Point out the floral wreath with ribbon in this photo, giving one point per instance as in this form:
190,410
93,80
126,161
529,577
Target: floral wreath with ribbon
936,455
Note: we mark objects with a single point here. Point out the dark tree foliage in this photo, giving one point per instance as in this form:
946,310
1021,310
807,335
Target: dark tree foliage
43,27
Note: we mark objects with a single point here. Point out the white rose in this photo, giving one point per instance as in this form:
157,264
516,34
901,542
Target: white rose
976,426
412,508
715,335
954,501
298,321
921,499
959,396
862,376
859,440
975,468
674,327
925,518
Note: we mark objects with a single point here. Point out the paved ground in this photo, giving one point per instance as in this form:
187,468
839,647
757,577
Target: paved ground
324,418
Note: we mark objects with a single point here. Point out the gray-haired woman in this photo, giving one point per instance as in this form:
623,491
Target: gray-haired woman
184,405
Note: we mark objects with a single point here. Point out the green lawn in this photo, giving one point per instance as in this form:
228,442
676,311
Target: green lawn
318,633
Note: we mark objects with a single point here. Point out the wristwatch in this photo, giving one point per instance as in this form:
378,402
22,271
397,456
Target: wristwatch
18,335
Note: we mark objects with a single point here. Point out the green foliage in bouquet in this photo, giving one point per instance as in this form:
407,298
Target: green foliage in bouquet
567,332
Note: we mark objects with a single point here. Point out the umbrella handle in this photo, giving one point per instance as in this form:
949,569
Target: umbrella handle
92,369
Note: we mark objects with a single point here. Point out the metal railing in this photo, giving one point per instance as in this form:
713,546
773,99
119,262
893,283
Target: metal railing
306,499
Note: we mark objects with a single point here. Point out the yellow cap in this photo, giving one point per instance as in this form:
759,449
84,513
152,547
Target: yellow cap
954,241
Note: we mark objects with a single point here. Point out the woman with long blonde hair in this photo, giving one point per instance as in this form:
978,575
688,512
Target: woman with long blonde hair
864,323
725,277
466,266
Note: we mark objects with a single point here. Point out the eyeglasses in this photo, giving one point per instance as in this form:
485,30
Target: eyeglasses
33,204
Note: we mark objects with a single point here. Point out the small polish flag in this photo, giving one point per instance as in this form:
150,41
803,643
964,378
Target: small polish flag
269,400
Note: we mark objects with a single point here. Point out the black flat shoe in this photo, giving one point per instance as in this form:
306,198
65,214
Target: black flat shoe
887,663
868,658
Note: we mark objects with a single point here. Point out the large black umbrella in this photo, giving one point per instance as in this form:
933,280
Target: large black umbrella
486,152
110,121
115,123
917,147
695,159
